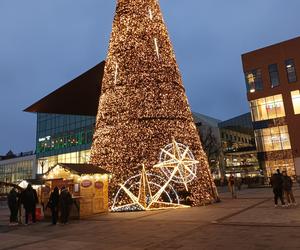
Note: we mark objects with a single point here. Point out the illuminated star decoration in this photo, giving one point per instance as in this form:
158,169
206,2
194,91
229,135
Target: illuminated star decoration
178,163
145,200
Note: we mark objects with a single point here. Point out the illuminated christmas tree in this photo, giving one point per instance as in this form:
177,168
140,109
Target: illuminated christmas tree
143,106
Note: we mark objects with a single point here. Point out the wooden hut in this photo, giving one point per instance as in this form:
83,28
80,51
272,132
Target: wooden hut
87,183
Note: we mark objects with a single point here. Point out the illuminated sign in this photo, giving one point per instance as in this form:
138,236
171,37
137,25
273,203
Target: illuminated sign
86,183
47,138
99,184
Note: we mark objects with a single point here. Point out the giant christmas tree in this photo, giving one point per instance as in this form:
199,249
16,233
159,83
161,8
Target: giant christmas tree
143,105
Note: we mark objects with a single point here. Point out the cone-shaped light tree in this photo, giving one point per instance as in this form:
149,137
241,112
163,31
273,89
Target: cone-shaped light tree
143,105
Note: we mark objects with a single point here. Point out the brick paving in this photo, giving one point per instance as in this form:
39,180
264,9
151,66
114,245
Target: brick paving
249,222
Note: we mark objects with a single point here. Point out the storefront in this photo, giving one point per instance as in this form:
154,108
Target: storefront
88,185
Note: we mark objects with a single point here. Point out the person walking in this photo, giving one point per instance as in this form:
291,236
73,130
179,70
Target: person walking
231,185
53,205
288,189
29,201
12,200
65,201
277,185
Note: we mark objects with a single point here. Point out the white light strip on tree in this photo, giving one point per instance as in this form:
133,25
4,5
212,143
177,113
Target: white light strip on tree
150,14
116,73
156,47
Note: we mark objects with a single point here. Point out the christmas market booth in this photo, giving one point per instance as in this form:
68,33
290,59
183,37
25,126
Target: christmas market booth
87,183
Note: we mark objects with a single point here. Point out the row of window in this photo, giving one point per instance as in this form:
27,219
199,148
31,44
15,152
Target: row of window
14,172
74,157
286,164
54,124
254,80
70,139
272,107
272,139
236,138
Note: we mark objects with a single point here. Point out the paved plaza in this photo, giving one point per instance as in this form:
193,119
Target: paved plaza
249,222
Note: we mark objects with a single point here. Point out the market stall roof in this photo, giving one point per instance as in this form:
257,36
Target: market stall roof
37,182
6,184
82,169
78,97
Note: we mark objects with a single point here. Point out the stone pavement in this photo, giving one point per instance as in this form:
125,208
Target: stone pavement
249,222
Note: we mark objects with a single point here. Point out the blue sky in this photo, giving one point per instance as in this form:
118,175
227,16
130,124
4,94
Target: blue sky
44,44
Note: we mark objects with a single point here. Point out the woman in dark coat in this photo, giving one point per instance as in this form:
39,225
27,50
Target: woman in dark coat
53,205
65,202
29,200
12,200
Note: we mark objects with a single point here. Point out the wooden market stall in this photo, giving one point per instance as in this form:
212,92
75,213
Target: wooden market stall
87,183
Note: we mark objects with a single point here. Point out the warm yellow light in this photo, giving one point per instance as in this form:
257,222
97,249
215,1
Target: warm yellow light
143,102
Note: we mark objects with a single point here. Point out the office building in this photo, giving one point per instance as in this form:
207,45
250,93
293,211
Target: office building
273,91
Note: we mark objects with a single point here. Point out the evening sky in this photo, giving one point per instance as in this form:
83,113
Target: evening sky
46,43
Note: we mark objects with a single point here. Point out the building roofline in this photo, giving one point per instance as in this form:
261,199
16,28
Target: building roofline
271,46
68,99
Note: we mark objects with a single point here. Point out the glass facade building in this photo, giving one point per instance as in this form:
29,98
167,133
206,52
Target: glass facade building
63,139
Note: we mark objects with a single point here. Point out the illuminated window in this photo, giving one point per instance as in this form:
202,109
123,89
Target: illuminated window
296,101
272,139
286,164
290,70
254,80
274,75
267,108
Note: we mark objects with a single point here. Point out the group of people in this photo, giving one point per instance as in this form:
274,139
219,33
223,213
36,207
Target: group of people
282,185
59,202
28,198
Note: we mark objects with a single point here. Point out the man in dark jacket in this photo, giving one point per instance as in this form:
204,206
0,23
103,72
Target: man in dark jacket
287,189
277,185
12,200
65,202
53,204
29,200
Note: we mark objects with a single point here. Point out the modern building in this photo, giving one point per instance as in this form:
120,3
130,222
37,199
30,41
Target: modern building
15,168
238,147
66,121
229,145
273,90
211,141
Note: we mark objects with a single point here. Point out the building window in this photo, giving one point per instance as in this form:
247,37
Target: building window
273,139
283,165
254,80
274,75
296,101
290,70
267,108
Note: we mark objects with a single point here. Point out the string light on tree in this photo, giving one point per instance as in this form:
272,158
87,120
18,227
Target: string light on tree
143,104
178,162
142,198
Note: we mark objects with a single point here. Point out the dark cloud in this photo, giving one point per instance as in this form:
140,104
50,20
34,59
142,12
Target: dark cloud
44,44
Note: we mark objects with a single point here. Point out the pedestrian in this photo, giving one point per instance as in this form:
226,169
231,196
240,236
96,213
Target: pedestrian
29,200
288,189
12,200
65,201
277,185
53,205
231,185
